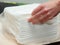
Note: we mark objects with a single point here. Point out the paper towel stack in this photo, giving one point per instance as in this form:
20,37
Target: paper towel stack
25,32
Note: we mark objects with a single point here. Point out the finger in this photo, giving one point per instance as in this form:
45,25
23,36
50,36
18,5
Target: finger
48,17
45,19
35,21
35,18
53,15
40,14
39,8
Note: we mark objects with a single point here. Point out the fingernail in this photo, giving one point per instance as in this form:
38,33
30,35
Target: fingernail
33,22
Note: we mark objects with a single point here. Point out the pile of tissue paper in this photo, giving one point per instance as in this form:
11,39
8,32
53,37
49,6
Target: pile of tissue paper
25,32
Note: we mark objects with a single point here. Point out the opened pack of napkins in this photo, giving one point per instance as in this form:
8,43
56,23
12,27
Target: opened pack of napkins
26,32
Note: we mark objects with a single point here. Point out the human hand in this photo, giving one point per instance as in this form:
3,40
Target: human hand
45,12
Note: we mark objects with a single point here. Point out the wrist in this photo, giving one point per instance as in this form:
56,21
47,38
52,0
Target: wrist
58,3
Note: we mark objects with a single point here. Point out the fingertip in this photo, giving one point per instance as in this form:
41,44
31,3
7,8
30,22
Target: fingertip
33,23
29,19
34,12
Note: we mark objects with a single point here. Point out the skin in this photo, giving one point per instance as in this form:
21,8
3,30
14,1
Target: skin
45,12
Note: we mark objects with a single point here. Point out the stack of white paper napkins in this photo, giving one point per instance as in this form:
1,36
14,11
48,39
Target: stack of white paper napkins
25,32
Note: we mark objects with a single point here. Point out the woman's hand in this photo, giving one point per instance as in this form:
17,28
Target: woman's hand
45,12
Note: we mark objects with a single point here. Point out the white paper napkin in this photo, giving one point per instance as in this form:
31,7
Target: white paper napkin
16,18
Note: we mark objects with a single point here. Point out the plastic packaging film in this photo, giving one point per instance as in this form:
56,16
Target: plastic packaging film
25,32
